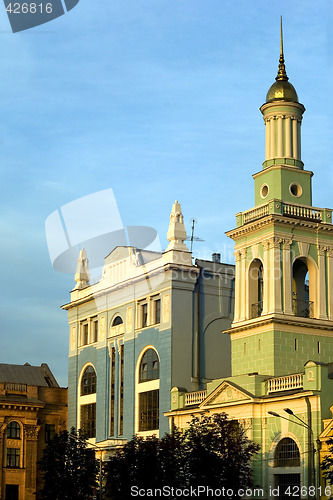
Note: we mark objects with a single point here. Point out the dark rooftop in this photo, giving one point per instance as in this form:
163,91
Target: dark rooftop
40,376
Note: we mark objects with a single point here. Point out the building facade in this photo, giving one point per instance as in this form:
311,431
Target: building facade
32,409
152,321
282,332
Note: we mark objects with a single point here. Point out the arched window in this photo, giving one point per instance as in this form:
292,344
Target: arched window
88,382
256,288
13,430
287,454
149,366
302,306
117,321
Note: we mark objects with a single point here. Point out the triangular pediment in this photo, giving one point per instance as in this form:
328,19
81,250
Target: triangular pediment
328,431
226,392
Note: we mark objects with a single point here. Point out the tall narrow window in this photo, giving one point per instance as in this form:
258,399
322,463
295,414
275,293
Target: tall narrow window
144,315
121,392
157,311
112,391
88,382
84,333
94,330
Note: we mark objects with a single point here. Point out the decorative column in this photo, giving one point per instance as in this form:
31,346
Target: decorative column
330,282
267,137
295,136
280,137
272,145
287,278
275,276
31,434
321,284
299,139
288,137
265,304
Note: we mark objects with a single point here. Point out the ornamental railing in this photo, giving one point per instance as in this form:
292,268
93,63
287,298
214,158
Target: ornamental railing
256,309
255,213
194,398
286,383
302,212
278,207
15,388
303,308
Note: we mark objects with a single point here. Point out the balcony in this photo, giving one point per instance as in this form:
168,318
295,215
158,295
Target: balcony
303,308
256,309
287,383
194,398
278,207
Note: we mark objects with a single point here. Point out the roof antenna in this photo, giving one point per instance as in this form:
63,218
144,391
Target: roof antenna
193,238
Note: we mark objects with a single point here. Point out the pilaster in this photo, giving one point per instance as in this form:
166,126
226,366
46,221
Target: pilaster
321,283
265,305
330,282
275,276
243,283
287,276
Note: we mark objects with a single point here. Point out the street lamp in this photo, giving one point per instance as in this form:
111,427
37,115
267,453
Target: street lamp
311,449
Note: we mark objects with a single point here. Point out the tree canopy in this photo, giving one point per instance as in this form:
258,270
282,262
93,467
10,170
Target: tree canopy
68,467
213,451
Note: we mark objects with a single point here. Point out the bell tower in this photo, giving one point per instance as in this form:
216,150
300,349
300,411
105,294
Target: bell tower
284,253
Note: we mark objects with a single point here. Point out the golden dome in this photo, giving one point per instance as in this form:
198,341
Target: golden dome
282,90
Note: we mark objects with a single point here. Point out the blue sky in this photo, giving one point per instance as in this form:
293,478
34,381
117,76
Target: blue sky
158,100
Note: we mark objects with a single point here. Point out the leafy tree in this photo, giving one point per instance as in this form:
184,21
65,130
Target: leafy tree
327,463
69,468
213,451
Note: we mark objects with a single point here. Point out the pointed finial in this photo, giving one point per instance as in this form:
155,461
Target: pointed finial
82,275
282,75
176,233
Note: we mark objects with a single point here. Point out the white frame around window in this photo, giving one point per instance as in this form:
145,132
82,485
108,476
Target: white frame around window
140,387
87,398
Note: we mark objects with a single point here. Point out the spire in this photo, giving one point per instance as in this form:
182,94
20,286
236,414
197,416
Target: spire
176,233
282,75
82,275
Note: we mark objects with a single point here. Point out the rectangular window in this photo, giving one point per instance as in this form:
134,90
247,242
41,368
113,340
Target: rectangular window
13,457
296,344
94,330
148,410
112,392
121,392
88,420
84,333
318,347
157,311
49,432
144,315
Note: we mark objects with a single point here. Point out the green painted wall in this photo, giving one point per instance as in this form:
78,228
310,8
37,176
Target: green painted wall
278,353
